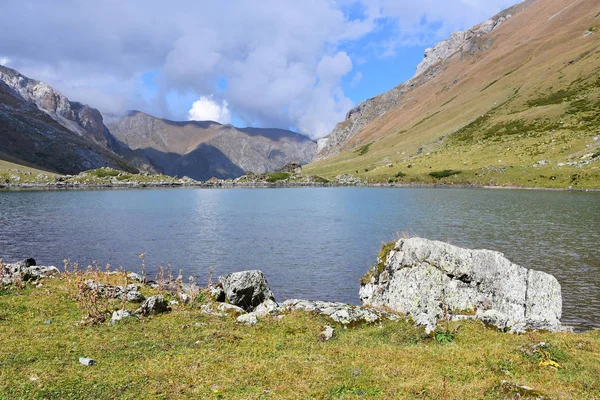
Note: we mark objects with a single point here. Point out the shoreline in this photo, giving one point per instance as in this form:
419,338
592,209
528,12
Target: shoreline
268,185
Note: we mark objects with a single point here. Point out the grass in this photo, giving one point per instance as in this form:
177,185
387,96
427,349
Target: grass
186,354
273,177
378,268
444,174
362,150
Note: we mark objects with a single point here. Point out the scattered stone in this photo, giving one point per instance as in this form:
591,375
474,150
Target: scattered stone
216,292
430,280
345,314
153,305
326,334
86,361
120,315
134,297
185,298
135,277
27,271
230,308
246,289
173,303
520,391
268,307
247,319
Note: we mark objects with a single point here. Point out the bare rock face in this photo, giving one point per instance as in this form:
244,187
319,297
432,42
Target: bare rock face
246,289
430,280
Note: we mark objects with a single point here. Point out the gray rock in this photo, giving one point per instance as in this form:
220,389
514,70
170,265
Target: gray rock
185,298
134,296
345,314
153,305
120,315
247,319
27,271
246,289
429,279
217,292
230,308
268,307
135,277
326,334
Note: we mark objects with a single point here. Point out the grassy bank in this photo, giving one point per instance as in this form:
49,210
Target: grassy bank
187,354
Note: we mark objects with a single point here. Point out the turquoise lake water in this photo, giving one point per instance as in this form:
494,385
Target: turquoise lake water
312,243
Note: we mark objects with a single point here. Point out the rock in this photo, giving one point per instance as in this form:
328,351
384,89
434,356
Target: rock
246,289
88,362
268,307
230,308
26,270
430,280
326,334
134,296
339,312
247,319
120,315
185,298
173,303
135,277
217,292
153,305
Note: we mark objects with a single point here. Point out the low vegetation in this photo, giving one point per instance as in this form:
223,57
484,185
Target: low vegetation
187,354
362,150
378,268
444,174
273,177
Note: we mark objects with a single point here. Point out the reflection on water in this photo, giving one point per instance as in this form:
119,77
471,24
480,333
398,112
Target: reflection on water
312,243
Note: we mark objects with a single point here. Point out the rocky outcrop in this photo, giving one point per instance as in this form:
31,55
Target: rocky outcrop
431,280
345,314
25,271
153,305
246,289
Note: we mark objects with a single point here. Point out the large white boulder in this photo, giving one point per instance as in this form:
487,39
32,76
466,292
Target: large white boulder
246,289
430,280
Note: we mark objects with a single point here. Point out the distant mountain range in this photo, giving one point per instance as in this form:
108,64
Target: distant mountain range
513,100
41,128
205,149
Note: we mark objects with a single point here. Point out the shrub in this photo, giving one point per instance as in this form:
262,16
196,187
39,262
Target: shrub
277,176
400,174
361,151
444,174
104,172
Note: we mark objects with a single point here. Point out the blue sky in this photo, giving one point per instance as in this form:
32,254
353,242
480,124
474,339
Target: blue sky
273,63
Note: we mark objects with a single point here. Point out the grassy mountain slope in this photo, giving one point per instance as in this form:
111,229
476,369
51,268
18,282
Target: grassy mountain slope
524,109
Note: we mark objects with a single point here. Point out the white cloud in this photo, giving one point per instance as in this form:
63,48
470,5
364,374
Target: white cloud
356,79
206,109
282,60
4,61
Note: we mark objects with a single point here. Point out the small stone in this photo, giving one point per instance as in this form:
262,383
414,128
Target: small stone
173,303
134,297
86,361
153,305
247,319
185,298
120,315
326,334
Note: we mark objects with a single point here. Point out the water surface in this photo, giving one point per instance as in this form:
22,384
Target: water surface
312,243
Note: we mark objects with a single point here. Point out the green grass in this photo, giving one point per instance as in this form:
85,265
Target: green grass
444,173
378,268
104,172
273,177
362,150
186,354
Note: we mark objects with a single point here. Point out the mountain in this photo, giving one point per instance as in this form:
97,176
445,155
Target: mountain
203,149
514,100
43,128
31,137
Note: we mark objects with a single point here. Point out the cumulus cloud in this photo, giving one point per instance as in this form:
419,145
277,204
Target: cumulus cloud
282,60
206,109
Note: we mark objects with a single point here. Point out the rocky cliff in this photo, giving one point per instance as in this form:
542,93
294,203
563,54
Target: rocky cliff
81,119
30,136
460,44
205,149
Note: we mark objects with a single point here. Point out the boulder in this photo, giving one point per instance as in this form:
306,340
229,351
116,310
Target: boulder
267,307
26,270
246,289
216,292
120,315
326,334
153,305
430,280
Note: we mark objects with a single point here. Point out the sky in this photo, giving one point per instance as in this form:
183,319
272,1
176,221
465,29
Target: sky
292,64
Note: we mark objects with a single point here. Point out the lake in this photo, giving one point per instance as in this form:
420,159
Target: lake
312,243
